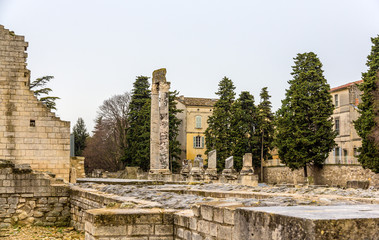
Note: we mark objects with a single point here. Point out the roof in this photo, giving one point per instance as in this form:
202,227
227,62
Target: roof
345,86
191,101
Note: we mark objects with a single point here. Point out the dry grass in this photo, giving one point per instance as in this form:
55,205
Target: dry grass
40,233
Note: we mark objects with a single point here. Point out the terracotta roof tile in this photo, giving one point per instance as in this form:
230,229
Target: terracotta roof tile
345,86
191,101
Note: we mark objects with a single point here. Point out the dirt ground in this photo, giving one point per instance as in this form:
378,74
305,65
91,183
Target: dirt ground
40,233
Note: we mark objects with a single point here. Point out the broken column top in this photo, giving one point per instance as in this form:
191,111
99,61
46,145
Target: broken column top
212,159
248,160
229,162
159,75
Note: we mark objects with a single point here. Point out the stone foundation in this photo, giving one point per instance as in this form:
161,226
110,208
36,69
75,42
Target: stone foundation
28,197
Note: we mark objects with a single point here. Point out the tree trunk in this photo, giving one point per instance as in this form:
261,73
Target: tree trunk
305,172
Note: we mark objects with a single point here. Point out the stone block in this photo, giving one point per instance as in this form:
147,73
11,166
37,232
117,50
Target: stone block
229,216
213,229
193,223
307,222
203,226
224,232
164,229
218,214
206,212
180,232
138,230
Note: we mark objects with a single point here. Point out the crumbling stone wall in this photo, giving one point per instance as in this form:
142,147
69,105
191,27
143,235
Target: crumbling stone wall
110,224
31,198
332,175
86,199
29,132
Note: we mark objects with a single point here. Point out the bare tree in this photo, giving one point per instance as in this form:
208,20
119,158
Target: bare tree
108,143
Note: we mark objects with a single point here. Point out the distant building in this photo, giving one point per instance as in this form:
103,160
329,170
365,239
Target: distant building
196,112
346,99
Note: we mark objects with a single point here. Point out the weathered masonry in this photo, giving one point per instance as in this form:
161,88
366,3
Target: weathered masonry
159,140
29,132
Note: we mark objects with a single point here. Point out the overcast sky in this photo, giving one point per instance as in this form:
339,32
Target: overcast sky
95,49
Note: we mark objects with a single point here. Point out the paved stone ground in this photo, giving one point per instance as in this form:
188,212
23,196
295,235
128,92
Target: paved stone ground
168,196
41,233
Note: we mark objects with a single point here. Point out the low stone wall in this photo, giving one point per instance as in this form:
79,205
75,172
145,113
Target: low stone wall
206,221
109,224
28,197
86,199
332,175
307,222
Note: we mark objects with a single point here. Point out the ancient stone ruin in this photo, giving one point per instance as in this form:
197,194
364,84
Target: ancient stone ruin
159,129
227,206
29,132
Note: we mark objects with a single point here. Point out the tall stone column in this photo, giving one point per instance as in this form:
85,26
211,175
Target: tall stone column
159,140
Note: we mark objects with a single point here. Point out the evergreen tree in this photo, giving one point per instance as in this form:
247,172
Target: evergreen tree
39,88
366,126
138,132
174,123
243,129
305,134
80,136
266,127
218,134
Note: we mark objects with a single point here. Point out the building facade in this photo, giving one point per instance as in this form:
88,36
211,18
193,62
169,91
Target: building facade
196,112
346,99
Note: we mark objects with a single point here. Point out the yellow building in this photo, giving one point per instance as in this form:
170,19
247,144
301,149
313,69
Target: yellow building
196,112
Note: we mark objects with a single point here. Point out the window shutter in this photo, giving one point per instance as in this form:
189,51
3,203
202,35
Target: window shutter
202,142
198,121
194,142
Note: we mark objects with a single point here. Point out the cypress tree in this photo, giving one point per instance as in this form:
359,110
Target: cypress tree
80,136
244,127
218,134
138,132
266,125
305,134
367,124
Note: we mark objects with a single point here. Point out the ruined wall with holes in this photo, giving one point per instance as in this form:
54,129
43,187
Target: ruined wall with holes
29,132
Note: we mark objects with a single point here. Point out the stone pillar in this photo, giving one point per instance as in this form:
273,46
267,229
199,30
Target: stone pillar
229,172
212,165
247,167
159,127
247,176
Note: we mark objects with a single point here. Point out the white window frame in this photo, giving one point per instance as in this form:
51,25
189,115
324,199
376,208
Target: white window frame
198,141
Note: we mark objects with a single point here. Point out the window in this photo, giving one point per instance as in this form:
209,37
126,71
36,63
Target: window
345,157
356,153
198,122
198,142
337,125
337,155
336,100
32,123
